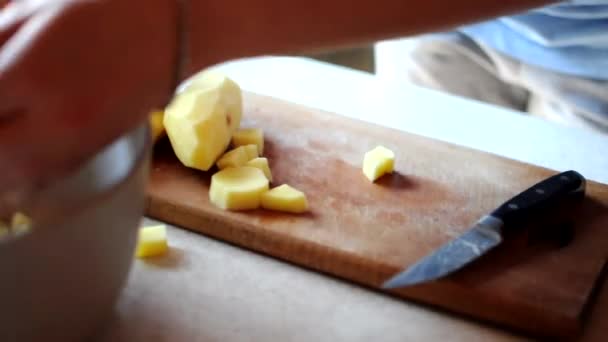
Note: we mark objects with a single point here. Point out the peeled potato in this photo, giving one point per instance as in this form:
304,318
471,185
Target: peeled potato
201,119
262,164
378,162
285,198
238,188
249,136
231,95
152,241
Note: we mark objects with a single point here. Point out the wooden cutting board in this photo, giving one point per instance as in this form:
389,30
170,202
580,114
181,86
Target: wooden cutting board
364,232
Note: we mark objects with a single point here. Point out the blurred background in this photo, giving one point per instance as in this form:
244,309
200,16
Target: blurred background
361,58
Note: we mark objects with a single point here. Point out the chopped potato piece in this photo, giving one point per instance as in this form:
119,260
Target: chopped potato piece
236,157
20,223
238,188
200,120
152,241
251,150
285,198
157,128
262,164
248,136
377,162
20,219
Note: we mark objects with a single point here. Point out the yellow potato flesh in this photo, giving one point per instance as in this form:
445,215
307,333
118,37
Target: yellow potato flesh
208,81
20,223
249,136
152,241
200,120
237,157
262,164
378,162
238,188
285,198
157,129
251,150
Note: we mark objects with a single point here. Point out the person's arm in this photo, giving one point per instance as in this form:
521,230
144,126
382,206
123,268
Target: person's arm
228,29
76,74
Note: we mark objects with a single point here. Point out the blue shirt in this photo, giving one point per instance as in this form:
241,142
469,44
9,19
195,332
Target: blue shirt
569,37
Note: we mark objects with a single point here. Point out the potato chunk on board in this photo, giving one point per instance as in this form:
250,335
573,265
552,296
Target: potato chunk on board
251,150
237,157
285,198
238,188
262,164
249,136
378,162
233,158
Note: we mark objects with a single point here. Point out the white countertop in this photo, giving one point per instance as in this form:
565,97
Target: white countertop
230,294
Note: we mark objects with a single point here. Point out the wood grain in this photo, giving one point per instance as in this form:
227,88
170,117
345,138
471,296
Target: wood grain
365,232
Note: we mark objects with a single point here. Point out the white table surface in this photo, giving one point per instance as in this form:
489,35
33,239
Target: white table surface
206,290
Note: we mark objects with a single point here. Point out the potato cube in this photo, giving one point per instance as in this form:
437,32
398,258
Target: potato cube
262,164
237,157
20,223
20,219
152,241
378,162
251,150
248,136
285,198
238,188
233,158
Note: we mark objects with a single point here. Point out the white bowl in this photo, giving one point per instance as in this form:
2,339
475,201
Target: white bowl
60,281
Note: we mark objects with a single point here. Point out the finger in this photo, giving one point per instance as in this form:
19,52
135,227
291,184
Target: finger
13,65
7,32
11,18
25,145
15,13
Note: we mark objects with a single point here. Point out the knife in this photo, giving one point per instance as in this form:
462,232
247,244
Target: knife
487,232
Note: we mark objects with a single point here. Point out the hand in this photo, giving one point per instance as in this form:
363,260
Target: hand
75,75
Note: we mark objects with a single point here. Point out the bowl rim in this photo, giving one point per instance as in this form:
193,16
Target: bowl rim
59,213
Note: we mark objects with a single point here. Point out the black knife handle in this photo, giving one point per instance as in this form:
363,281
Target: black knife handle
544,194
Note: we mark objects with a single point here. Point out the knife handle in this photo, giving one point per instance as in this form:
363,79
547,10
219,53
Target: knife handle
544,194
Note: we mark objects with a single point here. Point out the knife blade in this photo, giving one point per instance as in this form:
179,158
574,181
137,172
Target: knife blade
487,233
